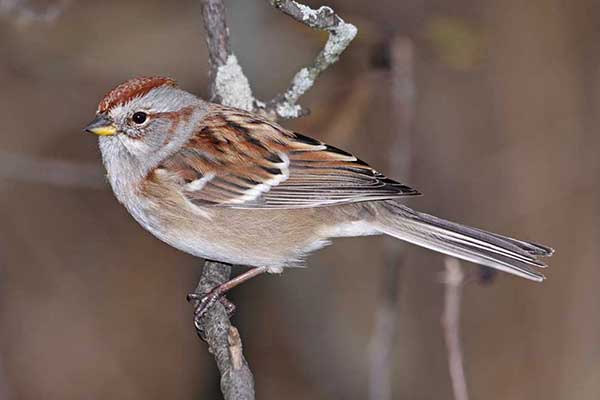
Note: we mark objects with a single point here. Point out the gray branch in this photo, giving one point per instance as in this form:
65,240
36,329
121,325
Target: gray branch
217,41
223,339
340,35
454,280
384,335
230,86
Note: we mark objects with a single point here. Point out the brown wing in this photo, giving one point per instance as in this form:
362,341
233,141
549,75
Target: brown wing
240,160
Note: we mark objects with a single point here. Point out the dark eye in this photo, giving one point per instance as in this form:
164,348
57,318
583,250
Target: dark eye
139,117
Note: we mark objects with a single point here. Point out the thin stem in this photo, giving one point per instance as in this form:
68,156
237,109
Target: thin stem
229,86
454,281
386,320
340,35
217,40
224,342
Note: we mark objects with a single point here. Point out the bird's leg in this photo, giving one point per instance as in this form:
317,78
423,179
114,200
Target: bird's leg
205,302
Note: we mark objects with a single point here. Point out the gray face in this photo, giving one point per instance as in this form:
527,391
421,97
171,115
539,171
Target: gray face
140,146
144,124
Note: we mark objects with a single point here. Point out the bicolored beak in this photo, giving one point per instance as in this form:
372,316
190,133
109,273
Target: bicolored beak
101,126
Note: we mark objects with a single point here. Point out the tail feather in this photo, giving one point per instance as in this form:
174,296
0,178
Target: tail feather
514,256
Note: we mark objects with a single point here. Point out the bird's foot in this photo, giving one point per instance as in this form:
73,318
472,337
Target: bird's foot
207,301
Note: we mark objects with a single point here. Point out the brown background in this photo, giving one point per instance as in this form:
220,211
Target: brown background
92,306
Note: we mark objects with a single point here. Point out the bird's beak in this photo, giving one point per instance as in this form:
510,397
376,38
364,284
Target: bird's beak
101,126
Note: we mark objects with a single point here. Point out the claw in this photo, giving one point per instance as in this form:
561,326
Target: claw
204,303
192,296
229,306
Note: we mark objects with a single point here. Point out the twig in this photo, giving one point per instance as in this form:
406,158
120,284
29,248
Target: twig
223,339
386,319
217,40
384,334
403,106
230,86
340,35
454,281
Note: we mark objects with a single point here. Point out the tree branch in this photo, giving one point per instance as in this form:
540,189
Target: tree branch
454,281
401,59
223,339
230,86
217,41
341,34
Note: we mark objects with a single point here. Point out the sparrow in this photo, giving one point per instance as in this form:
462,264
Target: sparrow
229,185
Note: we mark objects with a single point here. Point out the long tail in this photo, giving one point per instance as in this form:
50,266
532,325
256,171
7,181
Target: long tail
492,250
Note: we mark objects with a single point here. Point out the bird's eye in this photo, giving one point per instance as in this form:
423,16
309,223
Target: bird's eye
139,117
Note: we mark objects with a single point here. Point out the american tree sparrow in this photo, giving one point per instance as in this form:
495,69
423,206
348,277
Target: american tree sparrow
229,185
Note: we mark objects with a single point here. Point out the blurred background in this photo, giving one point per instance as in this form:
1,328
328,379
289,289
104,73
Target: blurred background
504,137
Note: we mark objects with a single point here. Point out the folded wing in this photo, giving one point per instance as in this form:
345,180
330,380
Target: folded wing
240,161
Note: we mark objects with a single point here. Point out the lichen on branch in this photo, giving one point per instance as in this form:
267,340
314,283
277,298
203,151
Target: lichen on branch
232,86
341,34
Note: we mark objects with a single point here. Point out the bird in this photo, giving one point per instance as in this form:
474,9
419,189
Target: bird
232,186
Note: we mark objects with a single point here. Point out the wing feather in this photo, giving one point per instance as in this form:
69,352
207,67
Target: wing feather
240,160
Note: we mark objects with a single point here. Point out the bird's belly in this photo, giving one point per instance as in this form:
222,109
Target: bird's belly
270,238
